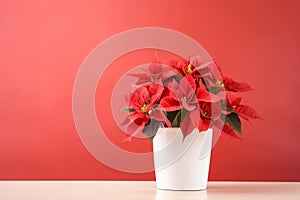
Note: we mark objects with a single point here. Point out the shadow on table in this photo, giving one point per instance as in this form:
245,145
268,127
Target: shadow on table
235,190
180,195
252,188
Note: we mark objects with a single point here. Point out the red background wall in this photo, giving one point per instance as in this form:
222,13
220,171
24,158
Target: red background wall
43,44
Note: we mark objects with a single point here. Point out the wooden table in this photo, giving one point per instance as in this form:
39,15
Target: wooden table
143,190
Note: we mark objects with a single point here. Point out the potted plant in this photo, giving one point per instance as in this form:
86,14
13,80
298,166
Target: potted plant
180,105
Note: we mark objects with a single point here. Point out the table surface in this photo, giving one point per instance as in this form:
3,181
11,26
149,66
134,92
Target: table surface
143,190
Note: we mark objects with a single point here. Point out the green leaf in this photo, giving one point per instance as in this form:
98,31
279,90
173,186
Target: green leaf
128,110
211,89
234,121
176,78
177,120
151,129
171,115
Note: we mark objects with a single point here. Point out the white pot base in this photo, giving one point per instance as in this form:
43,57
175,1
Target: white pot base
181,164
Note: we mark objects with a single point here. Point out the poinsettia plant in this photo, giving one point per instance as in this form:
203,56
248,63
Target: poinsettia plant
188,94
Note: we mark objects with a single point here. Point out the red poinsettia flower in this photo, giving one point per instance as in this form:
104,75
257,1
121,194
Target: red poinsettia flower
194,67
209,107
187,94
183,97
234,86
179,67
143,107
229,123
216,81
205,115
234,104
156,73
204,95
209,112
225,129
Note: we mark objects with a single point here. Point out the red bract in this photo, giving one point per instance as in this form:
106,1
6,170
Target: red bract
220,82
190,122
225,130
192,66
156,73
143,107
182,95
186,94
209,107
204,95
235,86
170,101
213,78
205,115
244,111
179,67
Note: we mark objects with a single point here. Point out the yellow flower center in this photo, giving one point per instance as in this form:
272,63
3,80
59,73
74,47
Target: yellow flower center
185,98
233,107
189,68
204,114
219,83
144,108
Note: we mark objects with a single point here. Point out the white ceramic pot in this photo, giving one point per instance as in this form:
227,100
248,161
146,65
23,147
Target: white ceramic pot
182,164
